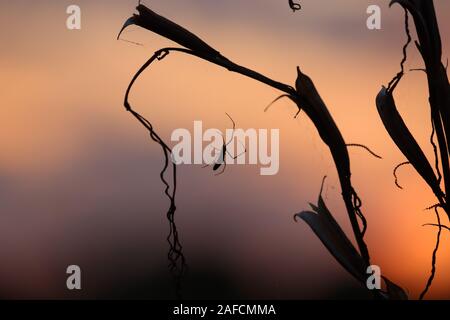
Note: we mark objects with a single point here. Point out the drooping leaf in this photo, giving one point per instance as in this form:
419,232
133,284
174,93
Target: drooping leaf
321,221
308,99
402,137
156,23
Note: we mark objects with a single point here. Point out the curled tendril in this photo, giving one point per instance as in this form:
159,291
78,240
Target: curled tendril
395,173
437,205
295,6
435,151
365,148
177,260
278,99
434,256
357,204
394,82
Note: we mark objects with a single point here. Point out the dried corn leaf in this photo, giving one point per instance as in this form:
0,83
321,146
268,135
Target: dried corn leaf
330,233
154,22
402,137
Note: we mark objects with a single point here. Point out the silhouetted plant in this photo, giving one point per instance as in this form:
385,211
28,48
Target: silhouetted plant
177,260
430,48
307,99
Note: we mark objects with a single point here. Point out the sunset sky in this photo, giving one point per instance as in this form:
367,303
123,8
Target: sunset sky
79,177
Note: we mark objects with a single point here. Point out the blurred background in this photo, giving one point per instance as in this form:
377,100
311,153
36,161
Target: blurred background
79,178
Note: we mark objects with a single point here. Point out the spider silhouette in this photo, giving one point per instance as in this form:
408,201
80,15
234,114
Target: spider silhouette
221,160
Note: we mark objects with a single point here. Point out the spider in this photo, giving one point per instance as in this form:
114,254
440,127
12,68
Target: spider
221,160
